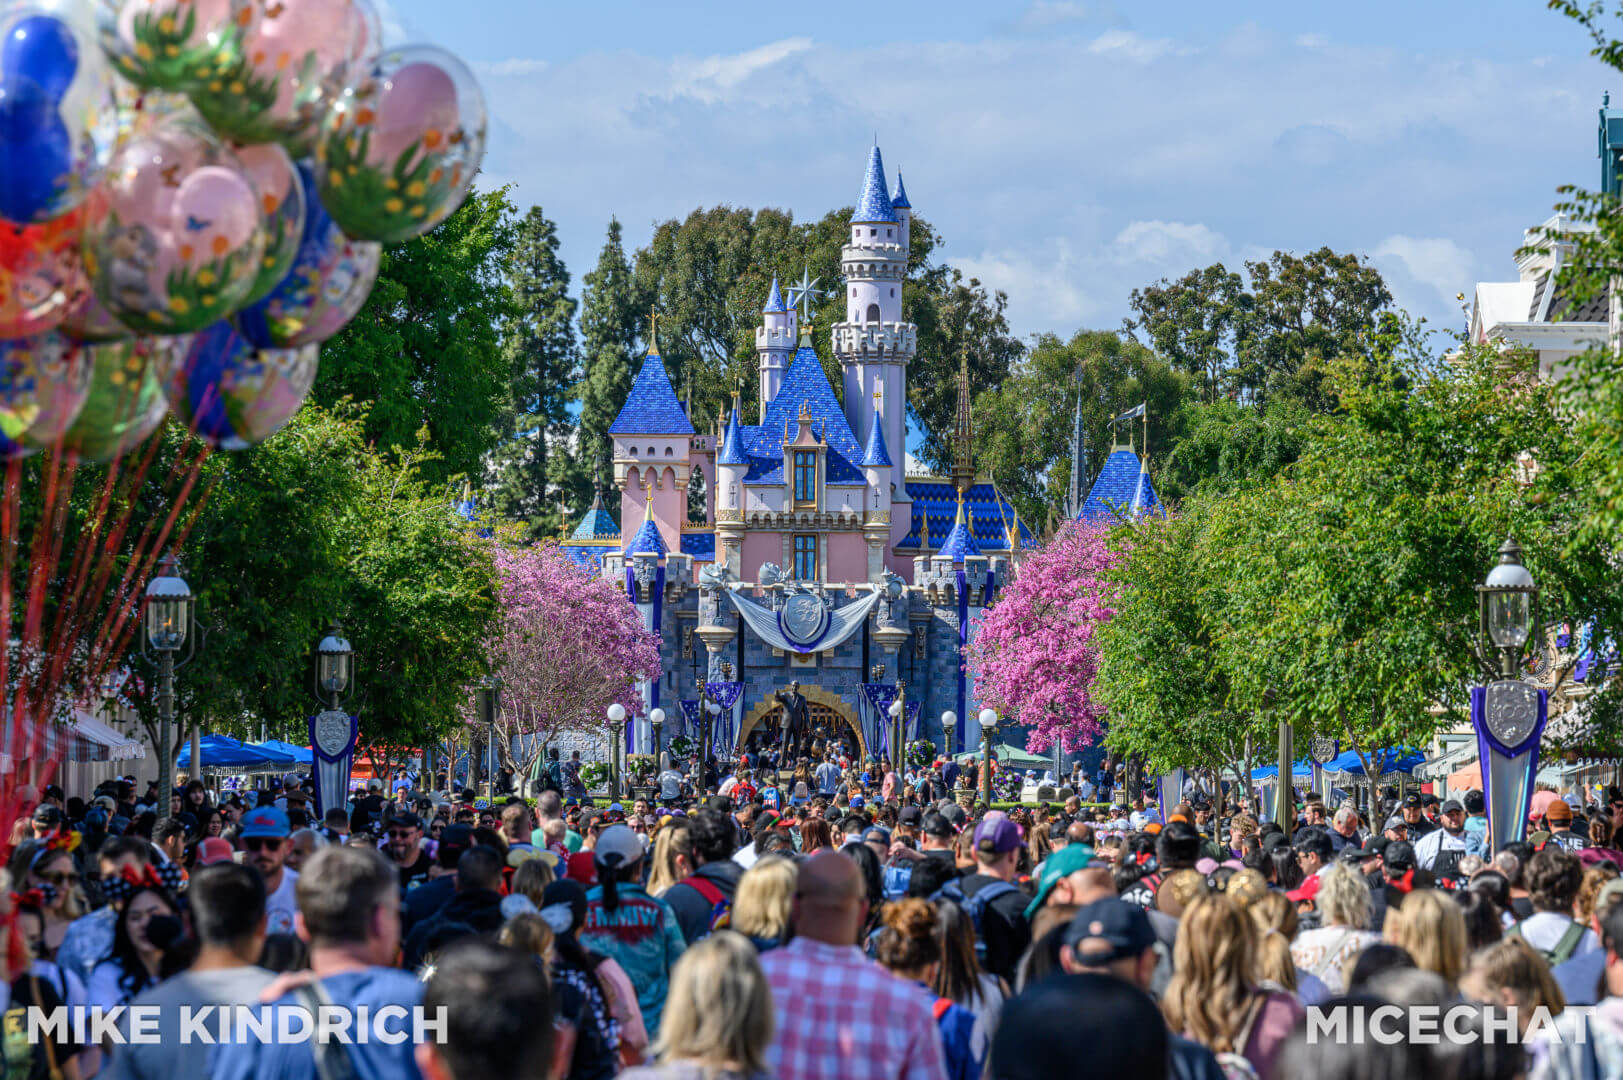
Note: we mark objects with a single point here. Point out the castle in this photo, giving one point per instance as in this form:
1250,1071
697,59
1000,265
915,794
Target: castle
819,560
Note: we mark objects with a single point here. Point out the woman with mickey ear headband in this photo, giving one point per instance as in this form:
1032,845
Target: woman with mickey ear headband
588,1044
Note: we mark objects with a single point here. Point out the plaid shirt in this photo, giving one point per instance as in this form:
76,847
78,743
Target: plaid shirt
842,1016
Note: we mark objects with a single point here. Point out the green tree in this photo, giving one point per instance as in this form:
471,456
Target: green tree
1195,322
1224,445
539,345
1024,427
608,327
426,351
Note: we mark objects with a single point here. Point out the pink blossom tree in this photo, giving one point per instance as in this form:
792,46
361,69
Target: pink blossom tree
571,645
1035,654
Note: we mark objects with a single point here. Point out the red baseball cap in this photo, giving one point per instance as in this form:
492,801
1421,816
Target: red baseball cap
214,849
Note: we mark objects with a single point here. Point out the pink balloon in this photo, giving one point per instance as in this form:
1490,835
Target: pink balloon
215,210
418,103
291,32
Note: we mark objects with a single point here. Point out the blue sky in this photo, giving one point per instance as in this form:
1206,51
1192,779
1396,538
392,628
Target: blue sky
1068,151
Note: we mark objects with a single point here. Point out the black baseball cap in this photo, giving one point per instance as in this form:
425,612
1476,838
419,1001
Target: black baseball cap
1108,930
937,825
1375,845
956,815
1452,806
1399,856
910,815
1411,800
408,821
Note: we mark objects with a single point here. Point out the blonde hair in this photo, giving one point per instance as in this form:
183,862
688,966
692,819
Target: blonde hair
1275,919
531,879
1344,897
761,906
74,903
531,934
1595,879
1432,927
1512,964
1214,973
671,842
718,1010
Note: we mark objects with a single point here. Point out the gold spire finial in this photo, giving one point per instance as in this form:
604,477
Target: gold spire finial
648,503
653,330
963,465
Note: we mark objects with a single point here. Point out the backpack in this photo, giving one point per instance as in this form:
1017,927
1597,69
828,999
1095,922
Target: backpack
1564,948
721,908
975,907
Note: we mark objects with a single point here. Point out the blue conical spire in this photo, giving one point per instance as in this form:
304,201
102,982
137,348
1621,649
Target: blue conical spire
875,455
774,300
900,201
960,542
874,205
732,444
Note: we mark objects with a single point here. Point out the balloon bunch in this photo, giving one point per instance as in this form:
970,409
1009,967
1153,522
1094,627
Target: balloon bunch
194,194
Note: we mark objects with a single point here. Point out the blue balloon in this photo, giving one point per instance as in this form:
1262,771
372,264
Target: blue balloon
36,151
43,50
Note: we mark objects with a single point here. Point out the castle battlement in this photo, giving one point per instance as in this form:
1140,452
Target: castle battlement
893,341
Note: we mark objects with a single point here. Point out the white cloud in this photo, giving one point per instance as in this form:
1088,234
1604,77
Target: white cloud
514,68
1135,47
1312,41
1170,242
709,78
1067,171
1434,261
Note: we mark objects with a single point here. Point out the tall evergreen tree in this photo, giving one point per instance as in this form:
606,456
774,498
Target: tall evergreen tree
609,322
538,343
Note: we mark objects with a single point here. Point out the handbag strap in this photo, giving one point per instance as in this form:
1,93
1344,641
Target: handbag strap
332,1058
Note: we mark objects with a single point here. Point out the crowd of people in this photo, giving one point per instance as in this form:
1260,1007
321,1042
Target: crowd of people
838,931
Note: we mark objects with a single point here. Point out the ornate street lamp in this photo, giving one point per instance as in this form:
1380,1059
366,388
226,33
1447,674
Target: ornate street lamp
898,717
617,717
988,720
488,696
657,718
949,721
335,662
169,613
1506,600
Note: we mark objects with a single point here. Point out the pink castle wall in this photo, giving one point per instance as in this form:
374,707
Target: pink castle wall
847,558
760,547
670,505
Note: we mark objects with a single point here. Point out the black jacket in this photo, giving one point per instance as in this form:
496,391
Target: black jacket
478,909
1004,923
693,911
425,899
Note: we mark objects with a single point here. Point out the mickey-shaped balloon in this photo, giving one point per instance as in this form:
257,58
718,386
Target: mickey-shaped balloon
57,114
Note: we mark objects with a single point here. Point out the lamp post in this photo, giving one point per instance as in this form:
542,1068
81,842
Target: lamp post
334,666
657,719
988,720
169,617
1506,601
490,706
617,716
898,722
949,721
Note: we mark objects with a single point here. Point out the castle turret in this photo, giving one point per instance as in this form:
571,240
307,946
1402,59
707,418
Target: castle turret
732,464
876,470
653,441
873,344
774,343
904,213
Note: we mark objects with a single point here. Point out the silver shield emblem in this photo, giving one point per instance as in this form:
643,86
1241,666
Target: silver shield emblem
1511,711
332,732
804,617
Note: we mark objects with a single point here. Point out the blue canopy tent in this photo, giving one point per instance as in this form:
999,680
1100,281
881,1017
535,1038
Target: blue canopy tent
1300,770
1391,760
300,754
224,752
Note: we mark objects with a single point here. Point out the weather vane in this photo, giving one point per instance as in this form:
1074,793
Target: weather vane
804,292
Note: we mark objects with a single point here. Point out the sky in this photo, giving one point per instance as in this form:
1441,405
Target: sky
1067,151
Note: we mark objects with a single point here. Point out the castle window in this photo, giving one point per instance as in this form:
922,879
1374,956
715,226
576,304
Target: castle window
873,313
873,232
887,234
893,292
670,452
805,558
805,477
